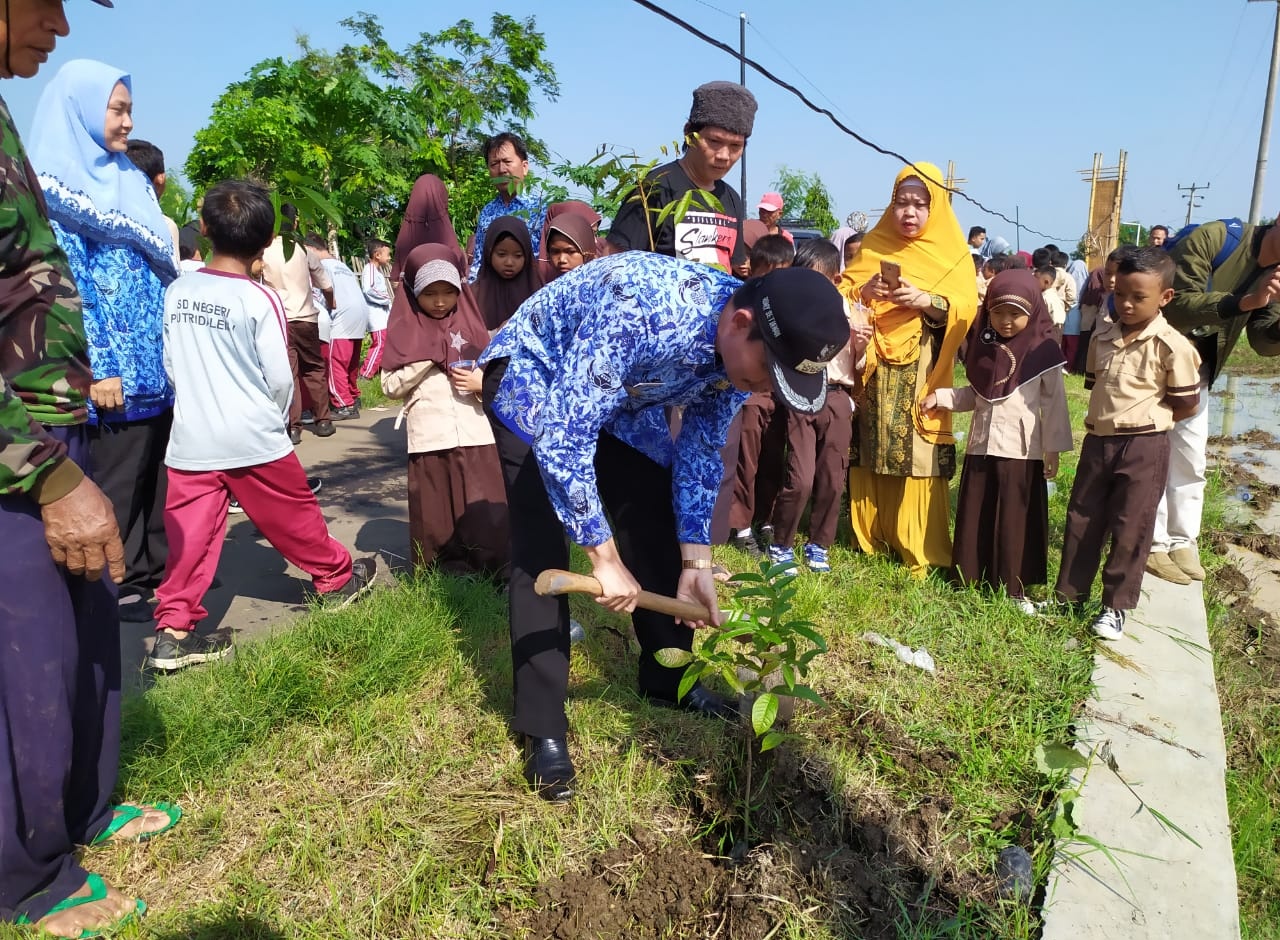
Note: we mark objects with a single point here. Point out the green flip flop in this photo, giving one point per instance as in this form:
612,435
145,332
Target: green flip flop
97,892
125,814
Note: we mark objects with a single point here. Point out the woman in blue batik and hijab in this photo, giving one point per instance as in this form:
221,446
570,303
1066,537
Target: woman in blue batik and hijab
107,220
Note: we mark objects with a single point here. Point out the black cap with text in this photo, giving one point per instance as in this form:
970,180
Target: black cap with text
802,320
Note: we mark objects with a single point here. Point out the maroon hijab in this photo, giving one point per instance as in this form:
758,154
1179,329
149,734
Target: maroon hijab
996,366
426,221
1095,289
559,211
499,297
753,230
579,231
412,336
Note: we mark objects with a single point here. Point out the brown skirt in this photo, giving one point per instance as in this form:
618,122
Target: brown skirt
458,511
1002,523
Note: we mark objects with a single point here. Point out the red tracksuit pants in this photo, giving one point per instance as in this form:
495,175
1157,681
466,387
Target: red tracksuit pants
344,366
276,499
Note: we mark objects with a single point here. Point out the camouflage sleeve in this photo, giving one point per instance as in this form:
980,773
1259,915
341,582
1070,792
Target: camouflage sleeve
44,373
31,459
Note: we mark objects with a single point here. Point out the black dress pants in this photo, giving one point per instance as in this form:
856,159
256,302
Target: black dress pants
128,465
636,492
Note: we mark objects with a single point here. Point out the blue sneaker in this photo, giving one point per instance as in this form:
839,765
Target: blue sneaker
815,556
782,556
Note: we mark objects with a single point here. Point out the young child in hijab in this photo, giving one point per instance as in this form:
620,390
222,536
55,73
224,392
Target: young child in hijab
507,276
570,243
457,500
1020,425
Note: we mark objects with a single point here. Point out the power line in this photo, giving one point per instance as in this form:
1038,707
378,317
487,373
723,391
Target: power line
712,6
1204,128
795,68
765,73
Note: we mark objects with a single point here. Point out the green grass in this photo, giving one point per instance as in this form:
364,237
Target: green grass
1244,361
347,776
1247,671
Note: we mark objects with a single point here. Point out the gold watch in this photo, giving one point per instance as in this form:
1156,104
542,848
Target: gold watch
697,564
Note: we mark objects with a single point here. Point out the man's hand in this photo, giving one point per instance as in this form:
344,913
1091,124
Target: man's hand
1262,295
698,586
1050,466
619,588
82,534
107,394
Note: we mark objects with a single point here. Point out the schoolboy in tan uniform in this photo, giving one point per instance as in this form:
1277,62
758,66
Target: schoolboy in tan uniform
1144,376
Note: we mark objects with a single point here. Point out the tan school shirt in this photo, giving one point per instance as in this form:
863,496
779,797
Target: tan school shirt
437,417
293,279
842,369
1132,378
1031,422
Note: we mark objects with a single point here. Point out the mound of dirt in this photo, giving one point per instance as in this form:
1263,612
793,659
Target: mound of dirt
867,866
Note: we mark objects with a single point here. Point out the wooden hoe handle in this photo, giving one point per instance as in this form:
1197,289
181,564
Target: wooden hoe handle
553,581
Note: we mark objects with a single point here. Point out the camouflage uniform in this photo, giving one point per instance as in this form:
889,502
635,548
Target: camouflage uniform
44,362
60,669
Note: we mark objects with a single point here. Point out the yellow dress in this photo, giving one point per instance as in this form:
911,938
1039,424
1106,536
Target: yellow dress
902,460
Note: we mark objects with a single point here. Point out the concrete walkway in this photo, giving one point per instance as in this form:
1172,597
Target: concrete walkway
1156,703
363,496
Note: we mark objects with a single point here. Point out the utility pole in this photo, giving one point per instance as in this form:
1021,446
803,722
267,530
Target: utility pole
742,79
1264,138
1017,227
1191,196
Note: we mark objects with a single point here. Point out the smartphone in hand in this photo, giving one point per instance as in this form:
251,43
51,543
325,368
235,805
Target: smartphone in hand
891,272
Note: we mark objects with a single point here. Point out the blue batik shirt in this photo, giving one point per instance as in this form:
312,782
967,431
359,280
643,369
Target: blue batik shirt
609,347
527,206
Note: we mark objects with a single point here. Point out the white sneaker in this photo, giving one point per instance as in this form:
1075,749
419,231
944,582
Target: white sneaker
1108,625
1028,607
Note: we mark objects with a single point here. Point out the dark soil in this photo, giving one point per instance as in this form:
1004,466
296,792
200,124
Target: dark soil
1255,438
1247,536
868,867
1235,475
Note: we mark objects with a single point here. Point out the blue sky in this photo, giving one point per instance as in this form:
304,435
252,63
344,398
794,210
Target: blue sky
1019,95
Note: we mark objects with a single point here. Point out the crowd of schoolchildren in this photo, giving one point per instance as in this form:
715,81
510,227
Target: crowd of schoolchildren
1143,374
238,357
428,324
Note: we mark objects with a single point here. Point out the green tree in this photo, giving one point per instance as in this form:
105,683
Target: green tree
806,197
177,203
350,131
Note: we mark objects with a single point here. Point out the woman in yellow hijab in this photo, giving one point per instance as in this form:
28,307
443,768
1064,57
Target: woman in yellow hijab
901,458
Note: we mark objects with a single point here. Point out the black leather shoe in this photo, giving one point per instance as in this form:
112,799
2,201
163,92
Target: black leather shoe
701,701
295,436
548,769
323,428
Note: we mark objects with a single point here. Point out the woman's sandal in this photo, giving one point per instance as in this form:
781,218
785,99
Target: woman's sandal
97,892
721,573
127,813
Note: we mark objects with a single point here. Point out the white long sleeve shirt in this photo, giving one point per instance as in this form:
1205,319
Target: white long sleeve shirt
228,360
377,291
351,313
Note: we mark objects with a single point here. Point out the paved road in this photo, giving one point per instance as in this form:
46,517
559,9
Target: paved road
363,499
